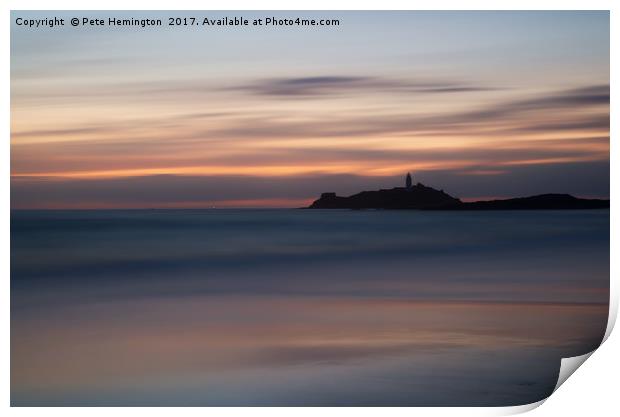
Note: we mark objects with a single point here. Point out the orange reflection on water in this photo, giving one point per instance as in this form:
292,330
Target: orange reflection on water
123,343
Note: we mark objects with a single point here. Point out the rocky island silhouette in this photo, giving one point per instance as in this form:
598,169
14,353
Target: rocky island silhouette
422,197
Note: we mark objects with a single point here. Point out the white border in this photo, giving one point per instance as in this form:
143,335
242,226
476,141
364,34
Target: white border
592,391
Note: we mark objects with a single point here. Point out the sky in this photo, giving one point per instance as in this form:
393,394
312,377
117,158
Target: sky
479,104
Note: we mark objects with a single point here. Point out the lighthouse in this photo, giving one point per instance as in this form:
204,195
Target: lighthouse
408,180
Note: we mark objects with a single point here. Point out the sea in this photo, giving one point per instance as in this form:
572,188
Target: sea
292,307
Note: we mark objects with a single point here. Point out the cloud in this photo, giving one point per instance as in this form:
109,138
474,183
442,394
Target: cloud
589,96
258,143
201,89
592,122
537,114
62,132
585,96
337,85
168,155
541,113
589,179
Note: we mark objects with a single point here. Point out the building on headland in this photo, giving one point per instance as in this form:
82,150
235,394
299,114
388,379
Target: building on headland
422,197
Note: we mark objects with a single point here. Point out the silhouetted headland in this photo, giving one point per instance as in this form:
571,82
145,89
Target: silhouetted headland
421,197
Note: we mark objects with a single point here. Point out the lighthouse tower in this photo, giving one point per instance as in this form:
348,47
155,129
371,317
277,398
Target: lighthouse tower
408,180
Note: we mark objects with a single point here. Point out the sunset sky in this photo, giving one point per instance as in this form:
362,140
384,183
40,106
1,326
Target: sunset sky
480,104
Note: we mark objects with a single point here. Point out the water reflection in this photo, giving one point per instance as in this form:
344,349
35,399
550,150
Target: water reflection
400,317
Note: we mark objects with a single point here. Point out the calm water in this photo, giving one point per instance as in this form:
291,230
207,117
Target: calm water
295,307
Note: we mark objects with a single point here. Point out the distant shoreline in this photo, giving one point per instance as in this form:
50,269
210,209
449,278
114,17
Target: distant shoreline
15,210
421,197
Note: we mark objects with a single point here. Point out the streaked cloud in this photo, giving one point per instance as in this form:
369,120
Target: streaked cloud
586,178
322,85
501,117
454,109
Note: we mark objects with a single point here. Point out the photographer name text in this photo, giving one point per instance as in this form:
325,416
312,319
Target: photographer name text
187,21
